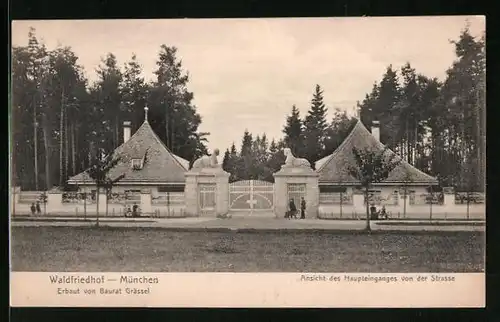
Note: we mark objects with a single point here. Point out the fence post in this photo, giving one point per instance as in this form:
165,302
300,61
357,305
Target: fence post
85,204
168,204
468,204
341,195
432,201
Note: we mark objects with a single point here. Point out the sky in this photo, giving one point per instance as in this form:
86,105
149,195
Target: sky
247,73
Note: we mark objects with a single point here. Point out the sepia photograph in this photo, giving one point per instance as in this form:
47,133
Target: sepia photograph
285,145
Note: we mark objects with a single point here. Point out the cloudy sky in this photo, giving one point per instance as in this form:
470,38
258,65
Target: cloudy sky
247,73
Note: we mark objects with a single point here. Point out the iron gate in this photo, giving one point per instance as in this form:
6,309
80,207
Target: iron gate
251,196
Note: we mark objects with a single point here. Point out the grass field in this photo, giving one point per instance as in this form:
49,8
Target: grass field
156,250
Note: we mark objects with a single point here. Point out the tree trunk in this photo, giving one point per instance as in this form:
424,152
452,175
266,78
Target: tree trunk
47,146
407,148
66,147
73,150
430,207
117,132
172,132
85,203
167,128
35,143
468,204
61,138
97,206
341,204
415,143
367,228
172,138
107,200
90,153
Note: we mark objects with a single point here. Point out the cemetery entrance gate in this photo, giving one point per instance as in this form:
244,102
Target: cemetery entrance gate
251,196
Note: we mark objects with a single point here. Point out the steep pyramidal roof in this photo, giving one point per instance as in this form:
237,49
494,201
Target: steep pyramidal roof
160,166
334,168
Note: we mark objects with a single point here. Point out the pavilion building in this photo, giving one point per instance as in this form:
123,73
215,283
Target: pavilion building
148,166
338,186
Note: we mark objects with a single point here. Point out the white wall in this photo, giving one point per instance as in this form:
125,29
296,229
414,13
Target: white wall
448,210
56,207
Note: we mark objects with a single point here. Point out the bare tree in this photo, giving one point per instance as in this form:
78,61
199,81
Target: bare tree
99,172
469,181
371,167
408,178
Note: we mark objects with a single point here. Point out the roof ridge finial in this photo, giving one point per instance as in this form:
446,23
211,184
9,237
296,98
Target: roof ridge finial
146,113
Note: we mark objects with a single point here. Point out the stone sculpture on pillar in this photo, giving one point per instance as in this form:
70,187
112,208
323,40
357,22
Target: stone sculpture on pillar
207,170
291,161
296,171
207,162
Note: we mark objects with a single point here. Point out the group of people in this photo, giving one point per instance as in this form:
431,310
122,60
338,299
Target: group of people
35,208
292,209
378,214
132,213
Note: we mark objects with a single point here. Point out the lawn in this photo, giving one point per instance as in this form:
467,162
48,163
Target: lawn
156,250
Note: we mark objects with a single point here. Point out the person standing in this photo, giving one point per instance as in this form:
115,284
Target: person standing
135,210
302,208
33,209
293,209
38,209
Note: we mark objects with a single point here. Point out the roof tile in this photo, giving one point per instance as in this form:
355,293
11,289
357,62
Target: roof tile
334,168
161,165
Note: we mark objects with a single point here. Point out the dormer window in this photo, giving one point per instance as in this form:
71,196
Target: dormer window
137,164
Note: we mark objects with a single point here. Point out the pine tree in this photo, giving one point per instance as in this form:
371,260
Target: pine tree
173,115
461,95
294,133
109,102
275,160
234,161
39,72
386,109
246,144
134,93
24,127
246,166
273,147
315,126
409,114
338,130
226,161
65,90
233,152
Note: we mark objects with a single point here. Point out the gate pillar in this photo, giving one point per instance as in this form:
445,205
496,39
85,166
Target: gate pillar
211,176
296,178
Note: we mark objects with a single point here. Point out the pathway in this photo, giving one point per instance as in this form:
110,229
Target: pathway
259,223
